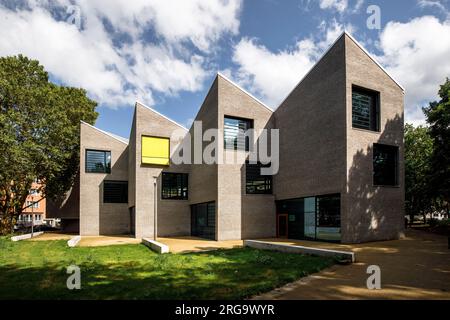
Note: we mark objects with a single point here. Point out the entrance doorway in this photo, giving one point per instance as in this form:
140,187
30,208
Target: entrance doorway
282,226
203,220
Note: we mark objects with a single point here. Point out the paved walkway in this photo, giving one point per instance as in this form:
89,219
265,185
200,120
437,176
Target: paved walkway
417,267
193,244
98,241
47,236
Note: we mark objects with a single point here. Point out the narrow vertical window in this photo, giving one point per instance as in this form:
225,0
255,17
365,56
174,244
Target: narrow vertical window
385,165
365,109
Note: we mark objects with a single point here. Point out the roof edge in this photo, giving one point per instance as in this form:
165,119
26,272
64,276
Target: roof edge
105,132
245,91
373,59
345,32
160,114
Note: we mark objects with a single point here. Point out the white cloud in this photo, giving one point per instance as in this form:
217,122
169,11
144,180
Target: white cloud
118,73
272,75
339,5
417,54
431,3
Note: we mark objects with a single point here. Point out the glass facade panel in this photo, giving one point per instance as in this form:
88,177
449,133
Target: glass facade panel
203,220
316,218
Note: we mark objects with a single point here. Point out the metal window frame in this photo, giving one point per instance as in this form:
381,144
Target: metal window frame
107,168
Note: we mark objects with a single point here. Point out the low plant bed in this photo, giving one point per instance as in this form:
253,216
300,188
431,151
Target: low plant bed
37,270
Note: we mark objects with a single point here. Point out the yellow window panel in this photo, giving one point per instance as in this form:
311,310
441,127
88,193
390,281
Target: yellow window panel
155,150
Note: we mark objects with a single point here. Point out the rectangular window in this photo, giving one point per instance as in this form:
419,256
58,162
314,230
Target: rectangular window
365,109
115,192
32,204
234,133
155,150
98,161
255,182
174,186
385,165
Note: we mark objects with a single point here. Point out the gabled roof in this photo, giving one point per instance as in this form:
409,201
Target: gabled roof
161,115
244,91
118,138
372,58
329,48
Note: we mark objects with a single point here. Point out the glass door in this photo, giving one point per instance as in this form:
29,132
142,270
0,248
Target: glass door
282,226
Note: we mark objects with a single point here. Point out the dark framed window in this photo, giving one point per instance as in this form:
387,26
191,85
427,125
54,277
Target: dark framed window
385,165
255,182
234,133
174,186
98,161
328,211
115,191
365,109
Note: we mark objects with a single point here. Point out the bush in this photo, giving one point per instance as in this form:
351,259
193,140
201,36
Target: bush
433,222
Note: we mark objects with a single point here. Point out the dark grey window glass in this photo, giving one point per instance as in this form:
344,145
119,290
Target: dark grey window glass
174,186
234,133
365,109
385,165
255,182
203,220
329,211
98,161
115,192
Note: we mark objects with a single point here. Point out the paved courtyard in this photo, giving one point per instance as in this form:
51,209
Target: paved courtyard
417,267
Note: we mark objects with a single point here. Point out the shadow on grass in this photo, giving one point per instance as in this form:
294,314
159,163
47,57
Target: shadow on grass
220,274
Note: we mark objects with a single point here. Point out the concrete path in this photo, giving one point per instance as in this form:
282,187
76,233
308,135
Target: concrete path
193,244
47,236
98,241
417,267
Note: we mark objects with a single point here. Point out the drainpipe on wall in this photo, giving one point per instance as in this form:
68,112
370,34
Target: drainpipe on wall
155,205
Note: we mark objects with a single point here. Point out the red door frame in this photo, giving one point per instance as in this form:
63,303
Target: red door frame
287,223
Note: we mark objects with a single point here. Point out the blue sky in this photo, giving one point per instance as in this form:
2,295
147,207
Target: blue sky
123,51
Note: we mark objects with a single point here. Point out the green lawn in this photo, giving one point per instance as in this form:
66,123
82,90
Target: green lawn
37,270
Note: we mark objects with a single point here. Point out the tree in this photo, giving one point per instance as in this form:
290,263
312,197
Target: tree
39,134
418,151
438,118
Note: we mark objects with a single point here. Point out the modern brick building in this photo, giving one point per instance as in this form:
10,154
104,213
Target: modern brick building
340,177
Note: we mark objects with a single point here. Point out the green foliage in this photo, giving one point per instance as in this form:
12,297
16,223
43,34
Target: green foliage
438,118
37,270
418,152
39,133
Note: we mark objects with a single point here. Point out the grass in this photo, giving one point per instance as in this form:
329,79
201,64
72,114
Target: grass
37,270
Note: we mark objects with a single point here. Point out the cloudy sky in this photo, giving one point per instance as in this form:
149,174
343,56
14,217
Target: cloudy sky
166,53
